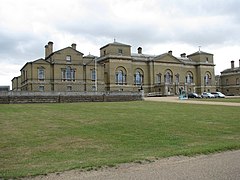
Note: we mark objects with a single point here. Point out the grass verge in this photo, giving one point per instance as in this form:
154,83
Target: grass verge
41,138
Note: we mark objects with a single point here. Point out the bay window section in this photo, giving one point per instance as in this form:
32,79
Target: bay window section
68,74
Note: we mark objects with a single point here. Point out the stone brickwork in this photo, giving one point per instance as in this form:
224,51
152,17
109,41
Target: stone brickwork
18,98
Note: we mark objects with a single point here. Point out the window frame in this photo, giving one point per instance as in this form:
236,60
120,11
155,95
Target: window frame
138,78
68,58
68,74
121,77
41,74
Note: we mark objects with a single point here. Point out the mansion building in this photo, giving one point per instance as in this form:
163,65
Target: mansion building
229,80
117,69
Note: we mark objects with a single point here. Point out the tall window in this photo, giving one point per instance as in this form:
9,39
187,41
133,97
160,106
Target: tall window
138,78
189,78
93,75
168,77
68,74
207,79
237,81
177,78
158,78
120,77
41,74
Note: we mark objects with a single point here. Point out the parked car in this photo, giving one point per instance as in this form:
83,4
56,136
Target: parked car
193,95
218,95
207,95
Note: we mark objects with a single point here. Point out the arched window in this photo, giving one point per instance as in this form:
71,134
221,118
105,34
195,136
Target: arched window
207,79
120,77
168,77
138,78
189,78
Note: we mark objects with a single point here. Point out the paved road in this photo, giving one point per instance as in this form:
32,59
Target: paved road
221,166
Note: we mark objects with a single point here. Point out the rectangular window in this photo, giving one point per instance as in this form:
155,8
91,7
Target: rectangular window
69,88
158,79
41,88
41,75
120,51
68,58
93,74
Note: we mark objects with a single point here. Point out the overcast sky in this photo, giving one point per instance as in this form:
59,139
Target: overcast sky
156,25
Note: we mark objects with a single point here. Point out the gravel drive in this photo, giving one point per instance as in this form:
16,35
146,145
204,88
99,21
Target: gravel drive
189,101
220,166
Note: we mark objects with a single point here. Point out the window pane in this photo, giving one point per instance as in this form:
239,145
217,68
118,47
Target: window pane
68,58
93,75
41,74
138,78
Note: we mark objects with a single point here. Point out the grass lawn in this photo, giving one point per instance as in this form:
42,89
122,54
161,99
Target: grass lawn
42,138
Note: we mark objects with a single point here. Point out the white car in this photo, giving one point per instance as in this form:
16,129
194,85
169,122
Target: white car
207,95
218,95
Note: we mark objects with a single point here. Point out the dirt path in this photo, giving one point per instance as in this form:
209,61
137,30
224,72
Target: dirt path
189,101
221,166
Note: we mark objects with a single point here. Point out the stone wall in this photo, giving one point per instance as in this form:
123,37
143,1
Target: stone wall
20,97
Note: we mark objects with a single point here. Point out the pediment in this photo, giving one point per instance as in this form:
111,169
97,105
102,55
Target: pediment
167,58
68,50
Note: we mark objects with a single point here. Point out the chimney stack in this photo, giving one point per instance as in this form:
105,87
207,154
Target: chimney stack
232,64
139,50
46,51
74,46
183,55
170,52
50,47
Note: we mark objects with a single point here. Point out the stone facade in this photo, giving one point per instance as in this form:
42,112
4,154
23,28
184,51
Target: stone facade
229,80
117,69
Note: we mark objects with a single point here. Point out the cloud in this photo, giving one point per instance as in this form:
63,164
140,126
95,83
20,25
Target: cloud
156,25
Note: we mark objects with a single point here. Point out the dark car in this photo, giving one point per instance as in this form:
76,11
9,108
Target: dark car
193,95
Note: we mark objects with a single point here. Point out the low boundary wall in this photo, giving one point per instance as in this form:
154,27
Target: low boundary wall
66,97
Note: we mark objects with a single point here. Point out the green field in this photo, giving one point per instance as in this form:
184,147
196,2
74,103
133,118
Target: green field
42,138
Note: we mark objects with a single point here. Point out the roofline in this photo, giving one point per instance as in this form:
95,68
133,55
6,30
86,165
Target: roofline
31,62
199,52
115,44
61,50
